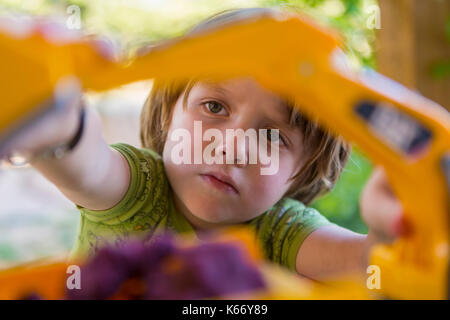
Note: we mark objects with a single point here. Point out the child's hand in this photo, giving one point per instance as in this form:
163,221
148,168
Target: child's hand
54,128
59,125
381,210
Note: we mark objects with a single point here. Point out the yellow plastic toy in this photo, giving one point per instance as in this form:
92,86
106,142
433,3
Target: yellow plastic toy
396,127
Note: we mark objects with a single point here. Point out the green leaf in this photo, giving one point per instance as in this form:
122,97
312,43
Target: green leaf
440,69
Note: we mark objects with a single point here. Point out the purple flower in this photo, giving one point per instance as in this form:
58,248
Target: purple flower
161,270
103,275
206,271
31,296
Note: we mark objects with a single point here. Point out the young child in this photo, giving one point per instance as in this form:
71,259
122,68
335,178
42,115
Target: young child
124,192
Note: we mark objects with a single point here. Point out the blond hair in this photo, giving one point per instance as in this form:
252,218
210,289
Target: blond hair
326,153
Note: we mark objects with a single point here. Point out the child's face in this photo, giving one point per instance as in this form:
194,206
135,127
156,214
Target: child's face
238,103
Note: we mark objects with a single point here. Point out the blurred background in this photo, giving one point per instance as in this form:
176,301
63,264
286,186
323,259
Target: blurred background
407,40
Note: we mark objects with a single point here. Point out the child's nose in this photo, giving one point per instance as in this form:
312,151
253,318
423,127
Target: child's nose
234,151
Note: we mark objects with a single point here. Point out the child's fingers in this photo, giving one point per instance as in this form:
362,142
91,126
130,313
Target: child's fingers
52,29
54,127
17,26
107,47
381,209
55,31
388,222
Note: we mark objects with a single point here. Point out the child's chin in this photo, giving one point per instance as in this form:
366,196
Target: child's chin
214,218
213,215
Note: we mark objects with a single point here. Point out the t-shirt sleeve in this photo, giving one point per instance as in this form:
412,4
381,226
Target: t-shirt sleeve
147,185
283,228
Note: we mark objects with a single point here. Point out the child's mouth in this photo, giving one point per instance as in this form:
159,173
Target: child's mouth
219,184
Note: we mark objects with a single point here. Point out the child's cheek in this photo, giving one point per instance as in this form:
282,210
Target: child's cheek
266,190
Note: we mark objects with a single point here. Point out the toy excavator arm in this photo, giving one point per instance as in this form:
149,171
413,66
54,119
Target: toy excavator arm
288,54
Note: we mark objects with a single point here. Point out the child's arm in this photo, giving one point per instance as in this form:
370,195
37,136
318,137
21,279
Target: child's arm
92,175
332,251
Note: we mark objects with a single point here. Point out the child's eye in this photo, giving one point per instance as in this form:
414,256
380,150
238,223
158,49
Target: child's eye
214,107
274,136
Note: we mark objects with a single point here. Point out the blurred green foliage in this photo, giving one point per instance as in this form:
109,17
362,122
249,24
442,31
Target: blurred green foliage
356,20
341,205
441,69
135,22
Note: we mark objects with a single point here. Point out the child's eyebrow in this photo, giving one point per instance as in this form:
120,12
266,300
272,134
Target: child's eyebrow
211,84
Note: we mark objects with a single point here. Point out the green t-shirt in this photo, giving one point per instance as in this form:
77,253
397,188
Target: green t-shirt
148,208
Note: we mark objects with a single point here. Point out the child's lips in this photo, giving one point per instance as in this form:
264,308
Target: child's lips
219,184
